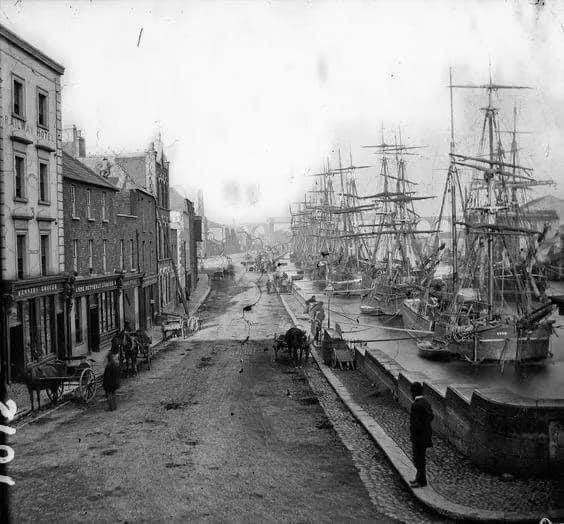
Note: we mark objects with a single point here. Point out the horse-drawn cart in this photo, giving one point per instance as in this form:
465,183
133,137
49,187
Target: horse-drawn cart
291,346
335,351
53,375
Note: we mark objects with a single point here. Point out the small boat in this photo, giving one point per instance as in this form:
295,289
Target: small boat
434,350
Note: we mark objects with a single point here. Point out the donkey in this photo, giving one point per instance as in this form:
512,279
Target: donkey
43,377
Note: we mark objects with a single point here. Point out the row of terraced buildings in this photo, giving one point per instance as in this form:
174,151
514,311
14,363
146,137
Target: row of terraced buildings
89,244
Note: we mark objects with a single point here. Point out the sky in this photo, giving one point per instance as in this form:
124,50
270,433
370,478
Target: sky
251,96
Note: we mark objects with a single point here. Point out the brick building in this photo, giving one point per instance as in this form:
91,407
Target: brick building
92,255
150,170
183,219
133,238
136,225
31,205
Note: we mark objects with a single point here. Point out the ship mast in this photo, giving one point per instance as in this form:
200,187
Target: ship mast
451,176
495,166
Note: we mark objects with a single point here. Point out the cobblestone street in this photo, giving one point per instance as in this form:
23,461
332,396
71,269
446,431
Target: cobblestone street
215,431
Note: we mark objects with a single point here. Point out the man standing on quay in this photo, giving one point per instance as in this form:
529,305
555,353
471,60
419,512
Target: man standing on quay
420,419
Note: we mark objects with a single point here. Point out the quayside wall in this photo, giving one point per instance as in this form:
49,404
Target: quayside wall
497,429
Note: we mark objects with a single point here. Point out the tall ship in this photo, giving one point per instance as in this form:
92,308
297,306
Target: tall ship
492,307
394,271
322,225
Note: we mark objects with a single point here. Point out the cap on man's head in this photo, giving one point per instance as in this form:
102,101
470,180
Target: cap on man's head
416,389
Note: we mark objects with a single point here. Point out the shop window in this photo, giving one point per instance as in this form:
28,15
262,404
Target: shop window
107,306
19,174
44,255
21,252
45,319
42,109
18,97
112,310
78,320
43,182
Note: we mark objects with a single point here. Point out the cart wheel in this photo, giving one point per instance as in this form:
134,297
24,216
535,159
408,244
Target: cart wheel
87,385
56,393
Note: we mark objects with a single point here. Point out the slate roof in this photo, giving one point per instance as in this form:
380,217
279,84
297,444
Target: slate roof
134,166
75,170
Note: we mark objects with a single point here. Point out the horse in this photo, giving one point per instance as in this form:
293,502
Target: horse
44,377
295,339
126,346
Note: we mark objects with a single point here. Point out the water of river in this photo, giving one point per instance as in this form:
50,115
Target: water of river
539,381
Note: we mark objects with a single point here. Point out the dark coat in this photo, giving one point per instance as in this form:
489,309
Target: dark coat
111,377
420,418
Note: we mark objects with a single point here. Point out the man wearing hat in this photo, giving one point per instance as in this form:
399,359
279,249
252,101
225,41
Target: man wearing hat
420,418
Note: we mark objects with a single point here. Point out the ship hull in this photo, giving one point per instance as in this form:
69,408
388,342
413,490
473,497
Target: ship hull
385,306
492,343
412,319
385,300
505,343
348,287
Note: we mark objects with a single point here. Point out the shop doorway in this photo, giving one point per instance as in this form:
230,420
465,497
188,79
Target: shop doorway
93,329
61,338
17,357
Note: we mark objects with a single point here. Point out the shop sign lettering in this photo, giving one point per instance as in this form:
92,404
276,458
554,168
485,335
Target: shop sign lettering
94,286
20,125
45,289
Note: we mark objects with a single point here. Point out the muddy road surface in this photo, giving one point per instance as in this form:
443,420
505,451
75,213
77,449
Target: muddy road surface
216,431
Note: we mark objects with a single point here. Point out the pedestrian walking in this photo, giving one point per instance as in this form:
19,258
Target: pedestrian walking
420,418
111,381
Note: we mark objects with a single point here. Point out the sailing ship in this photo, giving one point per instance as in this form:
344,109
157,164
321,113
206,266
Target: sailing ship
321,226
394,269
492,307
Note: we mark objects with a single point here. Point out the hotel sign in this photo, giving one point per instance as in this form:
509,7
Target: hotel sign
19,125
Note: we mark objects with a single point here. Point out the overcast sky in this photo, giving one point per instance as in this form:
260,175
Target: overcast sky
249,96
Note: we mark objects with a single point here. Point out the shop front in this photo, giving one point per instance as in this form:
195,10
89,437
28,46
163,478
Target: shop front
34,312
148,302
131,292
95,313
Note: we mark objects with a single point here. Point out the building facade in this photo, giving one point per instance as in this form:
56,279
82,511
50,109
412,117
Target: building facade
137,218
189,226
132,240
91,257
150,170
31,205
